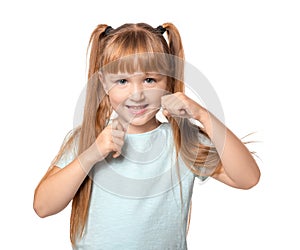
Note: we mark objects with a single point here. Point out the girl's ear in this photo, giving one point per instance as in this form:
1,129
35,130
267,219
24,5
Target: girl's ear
103,82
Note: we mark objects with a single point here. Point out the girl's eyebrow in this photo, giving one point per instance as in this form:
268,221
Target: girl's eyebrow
125,76
118,76
152,74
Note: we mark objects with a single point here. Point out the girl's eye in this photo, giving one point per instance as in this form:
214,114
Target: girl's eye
150,80
122,81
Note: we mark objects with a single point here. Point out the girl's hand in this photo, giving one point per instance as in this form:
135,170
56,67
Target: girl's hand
179,105
111,139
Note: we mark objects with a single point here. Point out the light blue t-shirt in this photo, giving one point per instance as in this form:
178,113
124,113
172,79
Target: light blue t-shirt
136,202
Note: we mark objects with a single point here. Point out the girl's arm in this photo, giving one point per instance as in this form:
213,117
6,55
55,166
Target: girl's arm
237,167
59,186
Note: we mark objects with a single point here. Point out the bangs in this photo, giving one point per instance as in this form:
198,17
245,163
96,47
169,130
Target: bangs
141,62
136,51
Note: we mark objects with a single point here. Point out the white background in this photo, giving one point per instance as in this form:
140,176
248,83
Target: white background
249,51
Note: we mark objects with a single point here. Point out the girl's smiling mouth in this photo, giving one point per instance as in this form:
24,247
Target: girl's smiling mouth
137,109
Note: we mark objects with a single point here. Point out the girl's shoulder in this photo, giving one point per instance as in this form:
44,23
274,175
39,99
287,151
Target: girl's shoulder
69,148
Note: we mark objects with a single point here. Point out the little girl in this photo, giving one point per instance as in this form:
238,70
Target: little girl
130,178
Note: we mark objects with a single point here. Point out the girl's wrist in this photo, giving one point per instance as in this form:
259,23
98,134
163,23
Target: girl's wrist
90,157
202,116
206,119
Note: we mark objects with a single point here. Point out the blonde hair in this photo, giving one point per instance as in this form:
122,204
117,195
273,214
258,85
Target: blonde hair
115,46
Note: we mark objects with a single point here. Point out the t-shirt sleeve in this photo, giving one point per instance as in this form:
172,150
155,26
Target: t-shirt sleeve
205,172
65,159
69,153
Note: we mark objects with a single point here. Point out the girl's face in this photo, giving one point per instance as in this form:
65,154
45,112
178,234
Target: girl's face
136,98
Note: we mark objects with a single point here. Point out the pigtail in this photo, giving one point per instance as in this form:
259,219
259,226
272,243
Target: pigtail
90,128
186,134
95,49
94,92
174,38
176,49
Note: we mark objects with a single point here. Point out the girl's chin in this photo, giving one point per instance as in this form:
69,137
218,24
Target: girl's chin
143,120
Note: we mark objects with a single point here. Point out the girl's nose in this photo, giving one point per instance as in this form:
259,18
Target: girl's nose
137,93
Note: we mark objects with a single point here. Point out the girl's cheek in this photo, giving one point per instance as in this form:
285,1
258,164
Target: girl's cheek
156,96
117,97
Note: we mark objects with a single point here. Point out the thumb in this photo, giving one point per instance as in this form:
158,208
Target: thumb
118,125
166,113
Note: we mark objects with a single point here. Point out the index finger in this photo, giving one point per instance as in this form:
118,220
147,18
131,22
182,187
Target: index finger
117,125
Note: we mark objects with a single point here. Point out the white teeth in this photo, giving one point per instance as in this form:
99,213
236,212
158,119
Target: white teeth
137,107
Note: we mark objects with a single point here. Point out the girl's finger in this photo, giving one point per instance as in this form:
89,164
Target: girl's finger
116,154
117,133
118,143
114,124
166,113
182,112
117,125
